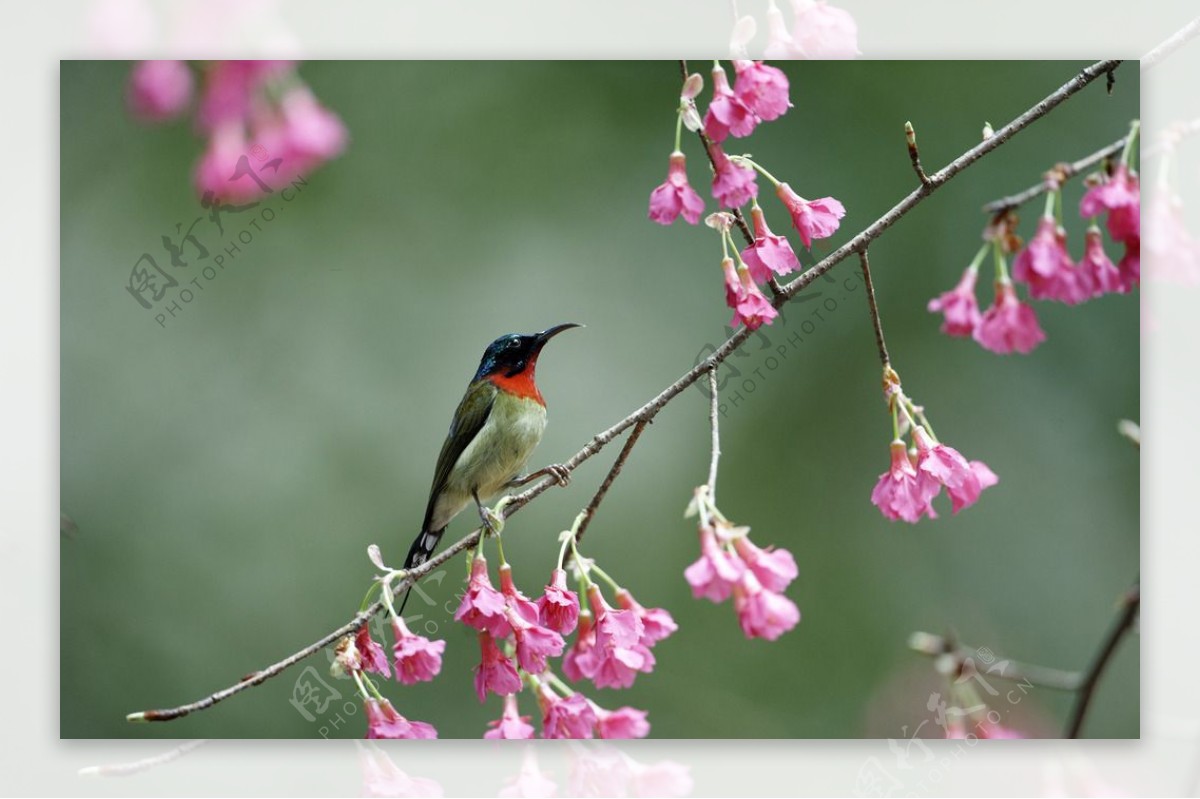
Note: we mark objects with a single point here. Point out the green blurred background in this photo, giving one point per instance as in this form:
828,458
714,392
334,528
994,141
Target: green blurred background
227,472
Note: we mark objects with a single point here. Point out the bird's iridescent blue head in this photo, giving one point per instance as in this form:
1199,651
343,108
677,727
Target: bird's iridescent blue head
513,353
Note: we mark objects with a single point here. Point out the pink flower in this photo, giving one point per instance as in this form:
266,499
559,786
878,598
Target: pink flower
761,612
483,607
618,644
495,672
1174,251
732,185
622,723
959,306
987,478
572,717
1101,272
762,89
769,253
774,568
314,133
230,88
1047,267
534,643
813,219
525,608
384,722
674,196
823,31
1009,325
374,659
716,572
1120,197
558,607
215,170
727,113
159,90
657,623
902,492
949,468
511,725
417,658
750,306
582,660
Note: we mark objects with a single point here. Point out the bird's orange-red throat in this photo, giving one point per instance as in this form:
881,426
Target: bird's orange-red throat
520,385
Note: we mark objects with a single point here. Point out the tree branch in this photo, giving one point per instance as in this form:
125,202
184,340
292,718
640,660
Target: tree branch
1131,602
650,409
716,435
1171,44
1061,173
875,321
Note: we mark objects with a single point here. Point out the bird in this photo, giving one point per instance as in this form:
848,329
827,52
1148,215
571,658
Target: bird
495,429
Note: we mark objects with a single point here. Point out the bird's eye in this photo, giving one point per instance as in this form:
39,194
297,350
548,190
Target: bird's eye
513,343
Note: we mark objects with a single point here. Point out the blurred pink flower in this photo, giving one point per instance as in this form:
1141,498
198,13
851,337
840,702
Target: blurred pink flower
902,492
779,38
813,219
1101,273
622,723
417,658
159,90
621,655
1120,197
384,722
675,196
822,31
1009,325
1174,251
1048,269
959,306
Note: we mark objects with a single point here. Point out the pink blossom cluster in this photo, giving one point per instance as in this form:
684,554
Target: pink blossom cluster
517,636
263,124
416,658
730,564
1048,270
918,474
817,30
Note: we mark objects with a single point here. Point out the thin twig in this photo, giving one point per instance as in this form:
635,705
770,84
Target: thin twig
1131,602
1171,44
1061,173
590,510
936,180
960,654
716,436
647,411
914,155
875,321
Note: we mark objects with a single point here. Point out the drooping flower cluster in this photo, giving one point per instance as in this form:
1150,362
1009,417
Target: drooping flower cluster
1045,264
416,659
264,126
730,564
918,473
759,94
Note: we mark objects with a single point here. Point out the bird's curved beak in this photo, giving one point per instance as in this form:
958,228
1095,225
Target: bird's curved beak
551,332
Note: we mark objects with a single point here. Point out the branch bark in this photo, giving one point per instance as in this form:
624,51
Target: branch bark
650,409
1063,172
1131,602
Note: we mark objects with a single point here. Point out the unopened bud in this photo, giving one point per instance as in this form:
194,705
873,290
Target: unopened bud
910,134
927,643
743,32
987,131
692,86
721,220
691,117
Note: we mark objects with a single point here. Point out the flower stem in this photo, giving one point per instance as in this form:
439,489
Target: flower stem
679,130
979,256
1135,128
774,180
1001,267
604,576
1049,210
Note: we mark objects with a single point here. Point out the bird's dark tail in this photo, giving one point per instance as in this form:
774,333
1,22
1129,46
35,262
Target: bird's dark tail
418,553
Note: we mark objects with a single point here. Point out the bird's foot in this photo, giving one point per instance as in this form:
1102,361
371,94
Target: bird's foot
560,473
493,521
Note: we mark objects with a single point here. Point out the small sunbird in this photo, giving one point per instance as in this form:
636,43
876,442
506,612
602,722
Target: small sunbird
495,429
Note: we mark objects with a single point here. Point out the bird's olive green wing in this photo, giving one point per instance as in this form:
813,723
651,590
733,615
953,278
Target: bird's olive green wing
468,420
